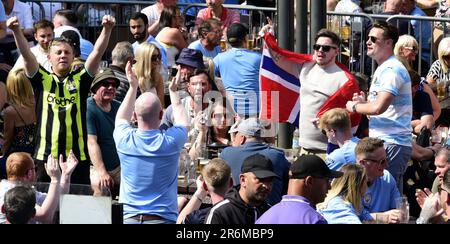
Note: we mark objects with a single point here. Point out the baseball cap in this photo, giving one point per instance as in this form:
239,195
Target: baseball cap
248,127
103,74
236,33
259,165
312,165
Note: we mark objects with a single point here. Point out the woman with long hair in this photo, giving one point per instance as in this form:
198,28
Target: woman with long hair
19,116
171,34
343,202
213,126
147,67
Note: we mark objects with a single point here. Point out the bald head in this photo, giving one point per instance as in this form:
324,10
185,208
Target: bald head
148,110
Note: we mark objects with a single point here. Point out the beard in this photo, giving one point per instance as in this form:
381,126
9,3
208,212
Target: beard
140,36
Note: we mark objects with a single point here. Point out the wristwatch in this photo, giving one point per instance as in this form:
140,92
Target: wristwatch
354,108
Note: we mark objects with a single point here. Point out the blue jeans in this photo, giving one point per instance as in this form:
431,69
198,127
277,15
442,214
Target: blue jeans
398,161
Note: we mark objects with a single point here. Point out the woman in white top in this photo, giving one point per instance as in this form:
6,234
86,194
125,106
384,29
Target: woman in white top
170,35
147,66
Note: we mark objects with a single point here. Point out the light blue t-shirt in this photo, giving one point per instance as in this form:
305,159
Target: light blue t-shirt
239,70
343,155
2,13
149,169
394,125
381,195
340,212
422,30
206,53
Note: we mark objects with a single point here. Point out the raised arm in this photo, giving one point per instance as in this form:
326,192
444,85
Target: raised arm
30,63
67,169
127,107
45,212
179,112
93,60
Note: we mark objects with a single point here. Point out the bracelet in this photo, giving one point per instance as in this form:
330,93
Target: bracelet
354,107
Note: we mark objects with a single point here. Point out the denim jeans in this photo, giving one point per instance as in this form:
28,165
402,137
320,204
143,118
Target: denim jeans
398,161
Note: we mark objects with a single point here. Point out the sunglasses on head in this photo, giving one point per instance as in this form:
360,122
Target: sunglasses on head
156,57
325,48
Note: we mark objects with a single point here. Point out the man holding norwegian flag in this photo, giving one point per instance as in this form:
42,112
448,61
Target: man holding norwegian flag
299,88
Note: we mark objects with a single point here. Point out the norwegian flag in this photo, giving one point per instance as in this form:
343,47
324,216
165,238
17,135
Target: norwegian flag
280,89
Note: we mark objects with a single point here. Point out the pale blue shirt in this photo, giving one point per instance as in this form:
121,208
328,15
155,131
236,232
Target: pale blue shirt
2,13
340,212
197,45
381,195
149,169
343,155
239,70
394,124
422,30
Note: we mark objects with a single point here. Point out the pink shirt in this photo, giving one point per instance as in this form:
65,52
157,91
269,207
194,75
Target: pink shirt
229,16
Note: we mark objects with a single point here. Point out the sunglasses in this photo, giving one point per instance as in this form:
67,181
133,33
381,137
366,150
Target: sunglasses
156,57
380,162
414,49
107,84
325,48
373,39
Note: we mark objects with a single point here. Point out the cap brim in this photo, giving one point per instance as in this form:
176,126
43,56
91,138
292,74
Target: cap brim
335,174
262,174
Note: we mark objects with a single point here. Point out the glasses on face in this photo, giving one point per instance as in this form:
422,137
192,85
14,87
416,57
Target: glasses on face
414,49
325,48
156,57
380,162
107,84
373,39
220,116
218,31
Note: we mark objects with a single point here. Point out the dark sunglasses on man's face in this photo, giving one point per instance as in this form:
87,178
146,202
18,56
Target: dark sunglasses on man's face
373,39
325,48
107,84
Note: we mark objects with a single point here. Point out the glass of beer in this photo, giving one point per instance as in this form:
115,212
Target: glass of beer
441,88
223,44
201,164
250,41
345,32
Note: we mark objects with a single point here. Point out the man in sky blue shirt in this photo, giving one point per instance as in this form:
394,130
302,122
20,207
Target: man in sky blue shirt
335,123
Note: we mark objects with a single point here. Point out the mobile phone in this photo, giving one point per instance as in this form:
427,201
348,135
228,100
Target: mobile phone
174,71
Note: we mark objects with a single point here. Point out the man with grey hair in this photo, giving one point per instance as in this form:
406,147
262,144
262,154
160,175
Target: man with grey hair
121,54
149,156
248,141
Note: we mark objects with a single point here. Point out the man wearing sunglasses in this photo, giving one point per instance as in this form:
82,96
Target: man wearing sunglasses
101,114
389,103
61,98
320,79
382,190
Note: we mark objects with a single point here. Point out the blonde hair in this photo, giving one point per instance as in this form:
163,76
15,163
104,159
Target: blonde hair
147,76
217,173
403,41
348,186
17,165
336,118
443,50
18,89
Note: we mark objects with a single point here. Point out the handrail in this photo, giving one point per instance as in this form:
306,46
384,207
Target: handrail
351,15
